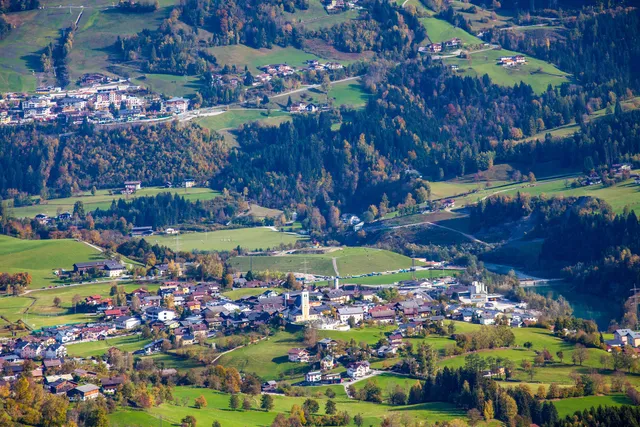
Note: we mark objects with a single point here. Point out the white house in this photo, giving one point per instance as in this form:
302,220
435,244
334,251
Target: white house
161,314
55,351
345,313
127,322
358,369
298,355
313,377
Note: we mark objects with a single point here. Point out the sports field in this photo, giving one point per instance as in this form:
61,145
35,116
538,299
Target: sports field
257,238
41,257
103,200
349,260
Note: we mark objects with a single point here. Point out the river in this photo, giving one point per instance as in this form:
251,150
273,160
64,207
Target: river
584,306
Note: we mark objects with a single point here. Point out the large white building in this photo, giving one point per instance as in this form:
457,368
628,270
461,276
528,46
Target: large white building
345,313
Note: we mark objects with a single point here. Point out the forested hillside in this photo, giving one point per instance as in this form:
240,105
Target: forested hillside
38,160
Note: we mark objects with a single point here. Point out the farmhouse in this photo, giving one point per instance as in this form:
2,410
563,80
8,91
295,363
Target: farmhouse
132,185
299,355
177,105
107,267
313,377
358,369
84,392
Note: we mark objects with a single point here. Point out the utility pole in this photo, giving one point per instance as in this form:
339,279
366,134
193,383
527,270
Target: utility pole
635,301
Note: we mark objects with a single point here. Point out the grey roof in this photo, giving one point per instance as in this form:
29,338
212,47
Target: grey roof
350,310
87,388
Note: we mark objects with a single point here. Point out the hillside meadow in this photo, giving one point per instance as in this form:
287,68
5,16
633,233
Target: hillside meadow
103,199
41,257
218,409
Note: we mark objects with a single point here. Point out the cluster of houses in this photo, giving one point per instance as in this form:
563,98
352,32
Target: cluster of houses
190,312
334,6
624,337
271,71
104,101
453,43
617,172
512,61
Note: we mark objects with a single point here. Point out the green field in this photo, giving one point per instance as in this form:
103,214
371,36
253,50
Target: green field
42,311
315,17
570,129
103,200
41,257
98,30
246,292
626,193
569,406
439,31
218,409
241,55
388,279
98,348
225,240
168,84
313,264
267,358
232,119
348,93
350,261
536,73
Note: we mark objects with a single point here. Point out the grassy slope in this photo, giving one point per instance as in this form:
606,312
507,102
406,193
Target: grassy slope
538,74
241,55
103,200
42,311
234,118
225,240
218,409
41,257
569,406
624,194
570,129
267,358
98,31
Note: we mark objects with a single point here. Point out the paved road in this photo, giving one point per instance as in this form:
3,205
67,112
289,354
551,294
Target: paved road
221,109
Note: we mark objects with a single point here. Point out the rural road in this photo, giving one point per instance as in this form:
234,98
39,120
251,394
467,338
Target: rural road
335,266
428,223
